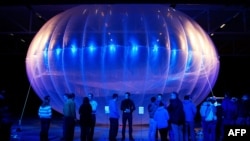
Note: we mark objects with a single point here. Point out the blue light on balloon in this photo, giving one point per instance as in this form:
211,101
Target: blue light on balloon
91,49
155,48
144,49
58,51
134,50
112,48
73,49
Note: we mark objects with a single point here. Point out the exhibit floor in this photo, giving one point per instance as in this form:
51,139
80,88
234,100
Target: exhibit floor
29,130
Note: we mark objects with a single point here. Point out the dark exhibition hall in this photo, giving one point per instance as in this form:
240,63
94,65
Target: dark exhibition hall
109,53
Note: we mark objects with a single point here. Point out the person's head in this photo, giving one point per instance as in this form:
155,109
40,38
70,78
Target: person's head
85,100
211,99
187,97
153,99
47,97
115,96
174,95
72,96
161,104
159,97
227,94
245,97
66,96
46,100
234,99
127,95
90,96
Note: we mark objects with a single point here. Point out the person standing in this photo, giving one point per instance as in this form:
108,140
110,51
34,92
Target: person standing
243,111
114,116
152,107
209,119
161,118
45,113
85,112
159,99
229,113
127,108
190,111
177,117
94,105
69,113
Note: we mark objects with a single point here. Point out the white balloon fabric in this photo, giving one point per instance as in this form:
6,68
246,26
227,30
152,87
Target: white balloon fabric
105,49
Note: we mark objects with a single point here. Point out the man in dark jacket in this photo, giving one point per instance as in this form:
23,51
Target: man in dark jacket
127,107
177,117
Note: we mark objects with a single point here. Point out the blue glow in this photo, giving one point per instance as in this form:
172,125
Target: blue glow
134,50
112,48
189,63
45,53
155,48
73,49
92,48
58,51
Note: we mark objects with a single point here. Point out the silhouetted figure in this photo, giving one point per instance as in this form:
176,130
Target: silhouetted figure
177,117
229,112
94,105
127,107
243,110
85,112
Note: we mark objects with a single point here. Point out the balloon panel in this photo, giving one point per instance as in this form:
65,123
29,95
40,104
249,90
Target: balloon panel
102,49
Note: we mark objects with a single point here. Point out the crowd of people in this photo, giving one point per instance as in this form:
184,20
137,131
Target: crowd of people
173,120
87,121
232,112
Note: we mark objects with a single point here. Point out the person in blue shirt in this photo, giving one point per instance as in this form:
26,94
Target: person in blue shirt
152,107
190,111
114,116
161,118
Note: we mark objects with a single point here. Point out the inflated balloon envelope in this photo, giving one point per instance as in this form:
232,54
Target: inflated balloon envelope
140,48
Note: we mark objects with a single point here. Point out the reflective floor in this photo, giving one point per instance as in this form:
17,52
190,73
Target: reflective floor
29,130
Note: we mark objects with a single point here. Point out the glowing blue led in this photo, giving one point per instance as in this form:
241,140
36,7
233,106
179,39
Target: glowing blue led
112,48
58,51
155,48
73,49
91,48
